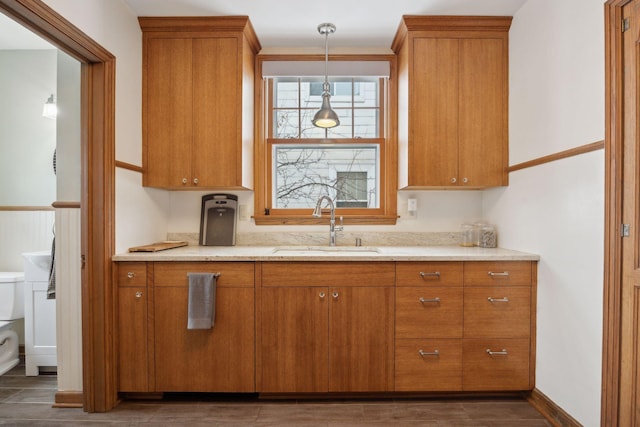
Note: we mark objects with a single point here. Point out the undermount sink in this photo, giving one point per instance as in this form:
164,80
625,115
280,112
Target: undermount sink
326,250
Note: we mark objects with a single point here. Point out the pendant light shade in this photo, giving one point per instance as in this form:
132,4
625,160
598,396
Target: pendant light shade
326,117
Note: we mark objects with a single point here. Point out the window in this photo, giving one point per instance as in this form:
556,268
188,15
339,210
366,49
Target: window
300,162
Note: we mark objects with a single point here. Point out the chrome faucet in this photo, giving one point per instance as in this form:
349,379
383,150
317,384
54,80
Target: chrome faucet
317,212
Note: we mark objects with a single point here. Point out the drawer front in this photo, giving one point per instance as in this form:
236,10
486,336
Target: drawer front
232,274
429,312
500,364
429,274
500,273
132,273
328,274
419,368
503,312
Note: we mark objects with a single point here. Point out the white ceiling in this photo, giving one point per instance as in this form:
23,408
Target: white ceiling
293,23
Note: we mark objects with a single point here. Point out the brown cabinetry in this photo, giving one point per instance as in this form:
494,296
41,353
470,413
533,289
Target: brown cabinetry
429,305
453,101
132,327
499,326
198,102
326,327
465,326
157,353
220,359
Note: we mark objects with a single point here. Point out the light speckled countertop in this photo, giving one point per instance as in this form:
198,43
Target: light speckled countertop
325,253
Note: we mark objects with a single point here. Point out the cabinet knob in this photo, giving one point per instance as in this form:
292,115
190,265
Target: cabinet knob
321,295
131,274
465,180
185,180
139,294
195,181
334,295
454,180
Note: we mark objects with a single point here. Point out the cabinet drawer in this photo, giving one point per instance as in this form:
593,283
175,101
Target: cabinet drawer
429,274
506,369
429,312
500,273
419,369
132,273
507,315
234,274
328,274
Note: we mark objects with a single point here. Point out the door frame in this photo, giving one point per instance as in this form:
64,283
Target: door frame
612,329
97,192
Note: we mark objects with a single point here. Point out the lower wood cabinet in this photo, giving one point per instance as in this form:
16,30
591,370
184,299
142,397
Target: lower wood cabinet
157,353
341,327
319,338
465,326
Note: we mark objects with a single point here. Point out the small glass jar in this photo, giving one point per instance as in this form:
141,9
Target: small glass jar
467,235
488,237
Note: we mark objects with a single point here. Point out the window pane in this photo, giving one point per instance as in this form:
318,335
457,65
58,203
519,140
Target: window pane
303,173
366,123
286,94
286,123
366,94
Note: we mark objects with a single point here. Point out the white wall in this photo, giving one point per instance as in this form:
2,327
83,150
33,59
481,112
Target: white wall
141,214
27,140
557,209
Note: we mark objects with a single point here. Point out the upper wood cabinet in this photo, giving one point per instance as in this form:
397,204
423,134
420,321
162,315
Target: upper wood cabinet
452,101
197,102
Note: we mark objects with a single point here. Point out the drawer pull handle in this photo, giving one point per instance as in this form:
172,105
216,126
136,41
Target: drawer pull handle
433,274
502,352
426,300
138,294
498,273
428,353
131,275
505,299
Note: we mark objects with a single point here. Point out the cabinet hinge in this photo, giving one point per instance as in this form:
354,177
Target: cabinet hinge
624,231
625,24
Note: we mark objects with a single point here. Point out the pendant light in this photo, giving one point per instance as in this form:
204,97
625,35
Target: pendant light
326,117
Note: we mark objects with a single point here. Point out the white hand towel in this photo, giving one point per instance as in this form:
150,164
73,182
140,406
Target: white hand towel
202,300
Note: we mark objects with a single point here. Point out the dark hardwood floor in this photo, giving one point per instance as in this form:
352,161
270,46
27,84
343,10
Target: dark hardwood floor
27,401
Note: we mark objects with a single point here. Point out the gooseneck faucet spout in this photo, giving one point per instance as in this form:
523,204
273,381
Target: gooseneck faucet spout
317,212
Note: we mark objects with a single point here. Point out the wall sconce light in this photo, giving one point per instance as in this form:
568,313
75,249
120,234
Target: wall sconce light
50,109
326,117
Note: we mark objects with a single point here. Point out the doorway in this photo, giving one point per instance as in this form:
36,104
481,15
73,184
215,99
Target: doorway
97,190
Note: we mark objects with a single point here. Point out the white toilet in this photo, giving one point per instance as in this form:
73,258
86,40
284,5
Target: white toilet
11,308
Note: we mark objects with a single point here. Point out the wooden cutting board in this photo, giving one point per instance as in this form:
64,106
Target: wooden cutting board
159,246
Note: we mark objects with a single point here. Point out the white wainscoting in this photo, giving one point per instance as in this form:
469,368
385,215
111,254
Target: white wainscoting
23,231
68,299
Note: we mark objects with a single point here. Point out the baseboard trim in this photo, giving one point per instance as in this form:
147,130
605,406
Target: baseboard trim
68,399
552,412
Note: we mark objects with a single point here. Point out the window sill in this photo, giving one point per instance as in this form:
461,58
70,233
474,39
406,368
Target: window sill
309,220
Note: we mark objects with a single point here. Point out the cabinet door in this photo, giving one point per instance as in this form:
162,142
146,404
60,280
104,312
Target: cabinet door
433,148
429,312
361,339
168,100
482,112
216,155
294,340
220,359
132,339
